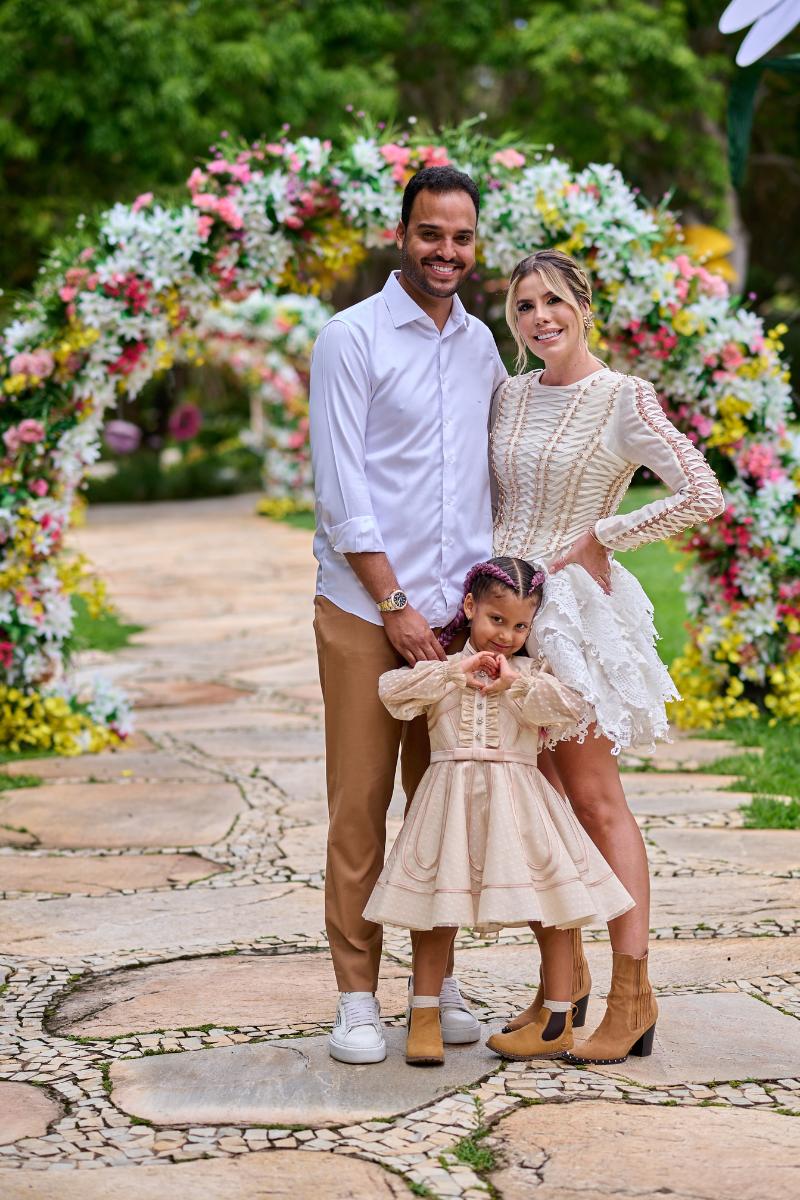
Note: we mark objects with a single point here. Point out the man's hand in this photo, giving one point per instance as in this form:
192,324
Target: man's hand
590,554
478,667
412,636
506,674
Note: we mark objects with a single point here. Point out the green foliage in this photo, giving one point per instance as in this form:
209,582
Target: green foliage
620,82
101,100
9,782
105,632
768,812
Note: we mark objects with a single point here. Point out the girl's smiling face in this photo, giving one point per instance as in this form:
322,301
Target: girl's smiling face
551,327
500,620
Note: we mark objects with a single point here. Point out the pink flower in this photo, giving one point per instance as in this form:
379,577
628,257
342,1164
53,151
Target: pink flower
685,266
184,422
11,440
757,344
67,294
6,654
196,180
37,364
509,158
230,213
396,155
274,148
732,356
434,156
30,431
204,226
205,200
142,201
702,424
39,487
123,437
219,166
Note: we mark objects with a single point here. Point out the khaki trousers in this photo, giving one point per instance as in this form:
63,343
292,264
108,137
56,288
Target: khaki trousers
362,743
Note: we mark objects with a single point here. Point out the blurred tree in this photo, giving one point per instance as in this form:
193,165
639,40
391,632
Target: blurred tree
99,101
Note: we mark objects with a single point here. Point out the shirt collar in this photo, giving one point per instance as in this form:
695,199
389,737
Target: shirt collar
403,309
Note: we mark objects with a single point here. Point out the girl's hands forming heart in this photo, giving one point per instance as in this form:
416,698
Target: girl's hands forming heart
504,678
479,669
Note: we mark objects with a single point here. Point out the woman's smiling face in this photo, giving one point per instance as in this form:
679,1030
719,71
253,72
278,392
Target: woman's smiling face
550,326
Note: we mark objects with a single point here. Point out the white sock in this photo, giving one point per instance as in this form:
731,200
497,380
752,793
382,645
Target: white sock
425,1002
556,1006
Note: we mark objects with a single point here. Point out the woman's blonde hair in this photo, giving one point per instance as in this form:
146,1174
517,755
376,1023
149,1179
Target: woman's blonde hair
561,275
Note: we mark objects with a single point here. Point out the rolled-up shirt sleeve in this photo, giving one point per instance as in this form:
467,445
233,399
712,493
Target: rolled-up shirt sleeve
339,401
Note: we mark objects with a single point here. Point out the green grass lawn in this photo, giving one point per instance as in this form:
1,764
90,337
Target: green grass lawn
107,632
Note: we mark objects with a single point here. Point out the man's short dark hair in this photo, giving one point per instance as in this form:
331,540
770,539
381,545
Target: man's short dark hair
438,179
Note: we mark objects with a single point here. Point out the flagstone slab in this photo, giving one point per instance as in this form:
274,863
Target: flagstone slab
97,876
713,899
158,693
605,1150
710,1036
237,718
111,815
231,990
260,744
25,1111
110,767
293,1081
763,849
708,961
687,754
16,838
679,802
197,918
654,782
271,1175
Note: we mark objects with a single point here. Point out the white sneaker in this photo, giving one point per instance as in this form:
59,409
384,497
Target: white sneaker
357,1036
459,1026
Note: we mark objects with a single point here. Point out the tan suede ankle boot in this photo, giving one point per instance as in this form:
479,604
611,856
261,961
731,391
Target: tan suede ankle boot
532,1041
424,1046
629,1023
581,987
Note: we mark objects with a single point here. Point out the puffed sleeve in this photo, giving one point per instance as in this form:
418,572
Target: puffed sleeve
545,702
410,691
641,434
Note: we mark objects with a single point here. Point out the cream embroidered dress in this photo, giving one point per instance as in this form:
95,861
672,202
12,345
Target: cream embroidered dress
487,841
562,459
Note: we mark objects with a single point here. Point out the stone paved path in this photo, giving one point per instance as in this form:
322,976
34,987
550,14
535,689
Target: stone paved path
167,987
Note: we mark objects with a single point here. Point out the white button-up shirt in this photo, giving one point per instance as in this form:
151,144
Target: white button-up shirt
399,430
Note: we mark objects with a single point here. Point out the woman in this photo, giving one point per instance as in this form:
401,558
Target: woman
565,444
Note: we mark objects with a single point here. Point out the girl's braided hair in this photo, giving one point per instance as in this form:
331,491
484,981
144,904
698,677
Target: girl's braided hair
515,574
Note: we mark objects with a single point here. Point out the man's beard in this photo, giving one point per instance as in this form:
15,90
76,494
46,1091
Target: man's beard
414,272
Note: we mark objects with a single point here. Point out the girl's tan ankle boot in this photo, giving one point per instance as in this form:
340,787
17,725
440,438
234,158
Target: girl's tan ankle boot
581,987
424,1046
629,1024
548,1035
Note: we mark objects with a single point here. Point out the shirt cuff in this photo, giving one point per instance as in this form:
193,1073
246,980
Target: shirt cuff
359,535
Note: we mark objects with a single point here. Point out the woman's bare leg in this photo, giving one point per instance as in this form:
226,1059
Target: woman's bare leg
590,777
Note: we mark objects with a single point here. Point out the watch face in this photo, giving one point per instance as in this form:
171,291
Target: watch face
400,599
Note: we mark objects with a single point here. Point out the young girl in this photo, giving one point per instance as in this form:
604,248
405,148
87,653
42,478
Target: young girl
487,841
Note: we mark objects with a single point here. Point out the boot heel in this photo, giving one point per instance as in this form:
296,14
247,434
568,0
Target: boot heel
644,1047
579,1012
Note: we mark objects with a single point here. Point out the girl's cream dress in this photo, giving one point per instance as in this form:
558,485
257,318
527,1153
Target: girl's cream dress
487,841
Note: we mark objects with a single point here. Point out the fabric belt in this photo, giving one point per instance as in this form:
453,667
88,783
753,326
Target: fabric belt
481,754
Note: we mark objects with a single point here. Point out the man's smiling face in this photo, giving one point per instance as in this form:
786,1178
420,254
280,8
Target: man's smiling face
437,250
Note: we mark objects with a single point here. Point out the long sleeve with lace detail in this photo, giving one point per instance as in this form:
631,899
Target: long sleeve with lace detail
544,701
641,434
410,691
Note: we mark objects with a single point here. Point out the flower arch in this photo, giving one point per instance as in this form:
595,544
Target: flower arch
152,284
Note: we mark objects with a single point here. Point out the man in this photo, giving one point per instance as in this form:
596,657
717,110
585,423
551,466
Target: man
401,386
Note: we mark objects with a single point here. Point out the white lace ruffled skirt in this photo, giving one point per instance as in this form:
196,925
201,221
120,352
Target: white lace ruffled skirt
604,647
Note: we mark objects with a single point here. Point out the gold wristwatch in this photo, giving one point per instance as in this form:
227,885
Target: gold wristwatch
393,603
